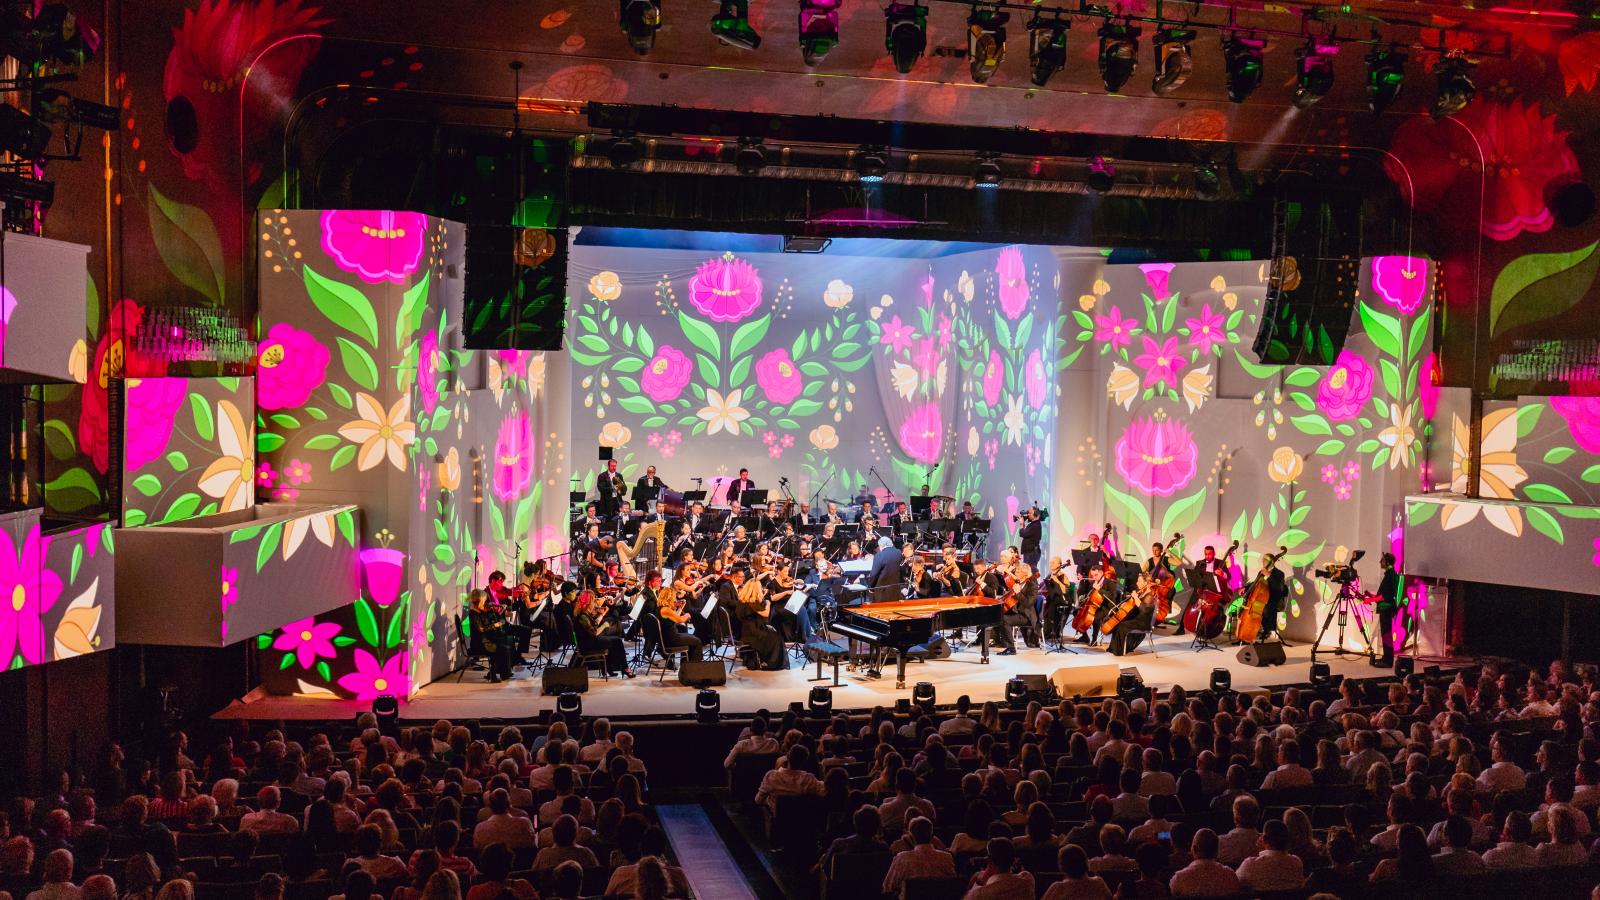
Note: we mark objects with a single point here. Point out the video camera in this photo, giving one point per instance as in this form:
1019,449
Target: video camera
1342,573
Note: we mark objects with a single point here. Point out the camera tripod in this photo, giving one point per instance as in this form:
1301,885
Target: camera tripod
1344,604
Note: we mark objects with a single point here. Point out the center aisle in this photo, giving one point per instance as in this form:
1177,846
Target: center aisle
705,860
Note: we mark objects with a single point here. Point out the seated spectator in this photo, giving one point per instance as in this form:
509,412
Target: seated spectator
1400,815
756,744
1329,771
923,860
495,863
1039,830
422,868
1456,856
202,816
998,880
1087,835
1204,876
269,887
1558,792
1157,827
1155,780
1076,883
1129,806
446,839
1113,856
905,804
371,859
565,784
1414,863
226,793
1273,868
1239,844
789,780
267,820
358,885
140,878
974,834
566,882
501,827
57,874
565,833
1513,851
1339,877
1289,773
1302,839
625,878
586,835
1503,774
98,887
444,885
1564,847
960,724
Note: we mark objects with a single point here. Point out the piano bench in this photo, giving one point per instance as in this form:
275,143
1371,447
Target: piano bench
829,651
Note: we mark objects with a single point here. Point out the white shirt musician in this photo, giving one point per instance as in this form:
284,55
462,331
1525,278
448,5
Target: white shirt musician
738,487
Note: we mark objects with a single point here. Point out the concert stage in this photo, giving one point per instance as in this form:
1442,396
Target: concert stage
467,695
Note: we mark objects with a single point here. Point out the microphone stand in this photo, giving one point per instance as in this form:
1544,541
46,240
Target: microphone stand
824,487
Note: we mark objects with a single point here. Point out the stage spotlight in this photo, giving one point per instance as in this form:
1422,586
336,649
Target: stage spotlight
625,150
1207,180
1313,72
820,702
1174,62
872,163
641,19
731,25
1119,54
570,704
751,157
22,135
922,694
986,171
1321,676
387,709
1017,693
1404,666
905,34
51,105
819,29
986,42
1221,681
18,189
1242,56
1130,686
1386,77
1102,175
1455,89
805,243
1047,47
707,707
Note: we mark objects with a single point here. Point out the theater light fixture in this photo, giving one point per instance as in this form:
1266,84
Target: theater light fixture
820,702
1221,681
751,157
707,706
386,708
626,150
570,704
731,25
872,163
1404,666
1102,175
51,105
986,42
22,135
1119,54
1453,76
1016,693
986,171
819,29
923,695
1047,47
17,189
1242,57
1321,676
1386,77
641,19
905,34
1174,62
1313,72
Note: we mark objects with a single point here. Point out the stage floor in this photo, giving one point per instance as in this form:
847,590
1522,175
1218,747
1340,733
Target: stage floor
467,695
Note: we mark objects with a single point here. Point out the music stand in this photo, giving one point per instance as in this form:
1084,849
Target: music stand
752,497
644,496
692,497
1198,578
920,506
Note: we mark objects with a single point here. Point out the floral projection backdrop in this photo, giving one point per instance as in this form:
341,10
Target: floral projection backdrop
60,587
188,448
816,368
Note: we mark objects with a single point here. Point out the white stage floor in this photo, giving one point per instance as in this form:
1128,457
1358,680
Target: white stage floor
471,697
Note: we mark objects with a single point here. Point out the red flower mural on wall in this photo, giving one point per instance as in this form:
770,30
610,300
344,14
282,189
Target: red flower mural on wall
114,356
204,81
1512,149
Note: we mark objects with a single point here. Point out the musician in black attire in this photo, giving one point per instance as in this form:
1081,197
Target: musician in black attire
503,599
738,487
1025,615
650,610
767,651
952,579
697,518
683,540
1388,605
490,621
989,580
1059,594
869,511
649,480
1031,537
1090,561
1277,592
597,632
1215,574
611,488
919,581
1103,580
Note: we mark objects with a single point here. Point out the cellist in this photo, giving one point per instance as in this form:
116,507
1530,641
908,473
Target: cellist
1102,581
1215,573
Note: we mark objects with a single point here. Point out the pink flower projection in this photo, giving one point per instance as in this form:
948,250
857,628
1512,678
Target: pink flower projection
779,377
666,375
229,583
372,678
1402,281
898,335
1157,456
383,569
945,324
309,639
151,409
1034,380
1427,391
1583,419
1596,559
208,99
1114,329
1509,153
378,245
1155,277
922,433
428,371
28,590
513,457
993,376
115,355
290,365
1208,330
1346,387
725,290
925,356
1161,362
1013,275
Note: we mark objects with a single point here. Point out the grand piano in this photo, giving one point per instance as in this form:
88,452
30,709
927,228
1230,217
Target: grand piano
902,625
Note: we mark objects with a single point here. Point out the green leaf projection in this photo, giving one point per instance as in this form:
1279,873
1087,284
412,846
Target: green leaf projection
188,448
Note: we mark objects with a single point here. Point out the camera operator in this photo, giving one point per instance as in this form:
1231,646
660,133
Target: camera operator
1031,537
1388,605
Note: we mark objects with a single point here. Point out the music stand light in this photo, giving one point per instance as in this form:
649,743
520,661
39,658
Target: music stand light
707,706
570,704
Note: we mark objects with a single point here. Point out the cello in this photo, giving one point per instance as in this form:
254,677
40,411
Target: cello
1164,582
1205,616
1255,602
1084,617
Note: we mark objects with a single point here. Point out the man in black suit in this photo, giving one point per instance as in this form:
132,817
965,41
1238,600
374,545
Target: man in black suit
697,516
738,486
611,488
802,517
884,577
649,479
1031,537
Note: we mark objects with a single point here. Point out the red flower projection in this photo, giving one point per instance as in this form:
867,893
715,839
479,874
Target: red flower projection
1512,150
114,356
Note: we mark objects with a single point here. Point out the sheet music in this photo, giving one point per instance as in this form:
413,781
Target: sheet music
666,578
711,603
796,600
638,604
539,610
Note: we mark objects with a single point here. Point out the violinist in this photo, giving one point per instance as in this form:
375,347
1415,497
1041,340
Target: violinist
682,541
664,606
853,552
1058,597
952,580
822,578
786,543
1023,585
920,582
597,633
740,542
781,585
490,621
765,647
1214,573
505,599
772,520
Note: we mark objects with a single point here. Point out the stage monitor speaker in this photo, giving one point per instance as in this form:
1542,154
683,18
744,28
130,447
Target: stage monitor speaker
703,674
516,288
1313,279
557,679
1259,655
1094,680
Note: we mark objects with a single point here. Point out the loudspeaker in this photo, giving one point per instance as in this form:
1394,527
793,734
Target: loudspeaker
1094,680
556,679
1259,655
606,453
703,674
938,648
1036,684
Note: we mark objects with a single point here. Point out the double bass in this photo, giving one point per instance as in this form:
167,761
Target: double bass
1165,583
1205,616
1255,602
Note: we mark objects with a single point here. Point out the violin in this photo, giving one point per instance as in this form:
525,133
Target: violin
1256,598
